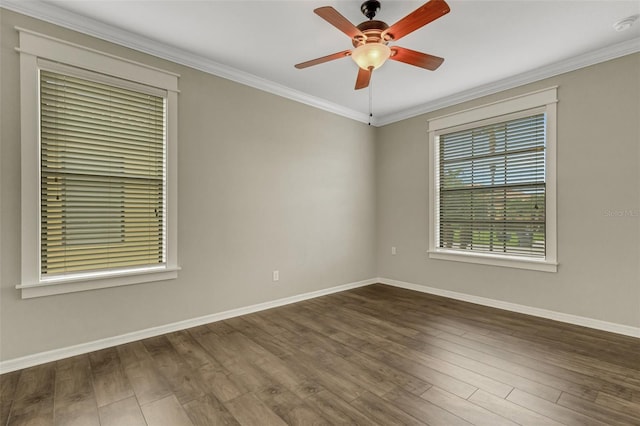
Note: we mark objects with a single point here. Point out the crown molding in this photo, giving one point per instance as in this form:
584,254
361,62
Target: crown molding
590,58
55,15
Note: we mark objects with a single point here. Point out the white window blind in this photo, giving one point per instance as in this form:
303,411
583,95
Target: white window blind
491,188
103,190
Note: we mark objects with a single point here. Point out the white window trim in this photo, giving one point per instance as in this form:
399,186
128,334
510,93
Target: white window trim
35,46
546,100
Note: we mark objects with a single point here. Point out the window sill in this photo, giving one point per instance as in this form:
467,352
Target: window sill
495,260
71,285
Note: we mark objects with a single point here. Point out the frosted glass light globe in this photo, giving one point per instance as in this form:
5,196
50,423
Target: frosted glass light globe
371,55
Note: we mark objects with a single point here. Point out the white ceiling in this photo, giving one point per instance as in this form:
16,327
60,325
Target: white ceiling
487,44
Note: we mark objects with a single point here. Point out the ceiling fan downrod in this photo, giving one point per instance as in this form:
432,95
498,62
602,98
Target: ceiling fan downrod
369,8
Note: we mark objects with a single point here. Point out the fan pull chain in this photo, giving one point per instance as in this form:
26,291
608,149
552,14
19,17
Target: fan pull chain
370,102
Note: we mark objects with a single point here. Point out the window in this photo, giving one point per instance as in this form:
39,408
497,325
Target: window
99,178
493,187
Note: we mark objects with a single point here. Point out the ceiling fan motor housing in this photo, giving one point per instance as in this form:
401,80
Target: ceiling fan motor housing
373,32
369,8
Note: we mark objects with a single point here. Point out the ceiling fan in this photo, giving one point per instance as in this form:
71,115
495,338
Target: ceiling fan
371,38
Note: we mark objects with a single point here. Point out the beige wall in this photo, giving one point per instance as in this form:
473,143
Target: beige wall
598,174
264,183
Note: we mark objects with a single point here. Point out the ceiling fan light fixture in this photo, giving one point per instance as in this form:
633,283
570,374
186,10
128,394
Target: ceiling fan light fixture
371,55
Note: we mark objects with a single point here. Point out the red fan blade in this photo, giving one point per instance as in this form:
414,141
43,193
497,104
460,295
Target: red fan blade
334,17
364,76
323,59
420,17
418,59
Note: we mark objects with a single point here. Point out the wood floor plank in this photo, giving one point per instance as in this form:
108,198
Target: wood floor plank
33,400
242,375
36,383
111,386
357,374
73,379
216,347
248,377
248,410
384,412
619,414
5,411
146,381
624,389
209,411
83,412
189,349
256,320
610,401
510,410
104,360
302,382
32,411
260,331
464,409
290,407
557,412
338,411
219,384
74,400
165,412
327,378
423,410
183,381
8,384
124,412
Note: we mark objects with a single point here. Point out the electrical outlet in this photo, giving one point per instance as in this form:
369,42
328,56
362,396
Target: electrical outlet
276,275
393,251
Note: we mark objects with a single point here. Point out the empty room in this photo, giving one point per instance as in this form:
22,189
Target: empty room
319,212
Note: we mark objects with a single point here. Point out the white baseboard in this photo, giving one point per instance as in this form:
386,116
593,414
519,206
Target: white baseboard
523,309
56,354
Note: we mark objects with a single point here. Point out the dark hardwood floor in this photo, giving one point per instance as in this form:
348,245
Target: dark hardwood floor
373,355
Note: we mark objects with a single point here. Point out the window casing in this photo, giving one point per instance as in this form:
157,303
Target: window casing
99,174
492,185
